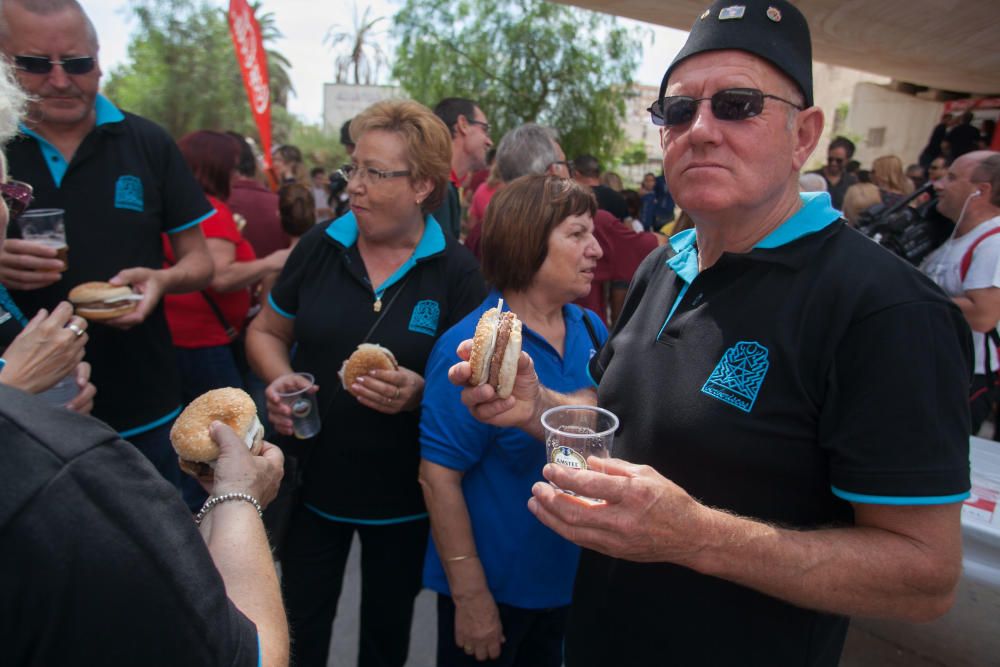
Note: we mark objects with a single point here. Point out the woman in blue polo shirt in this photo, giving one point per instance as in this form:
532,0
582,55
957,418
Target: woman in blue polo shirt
505,580
384,273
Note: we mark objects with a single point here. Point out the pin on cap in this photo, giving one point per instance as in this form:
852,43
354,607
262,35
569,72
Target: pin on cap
731,13
774,13
704,14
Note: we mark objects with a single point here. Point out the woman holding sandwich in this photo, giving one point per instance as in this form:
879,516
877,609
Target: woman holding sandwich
503,579
385,274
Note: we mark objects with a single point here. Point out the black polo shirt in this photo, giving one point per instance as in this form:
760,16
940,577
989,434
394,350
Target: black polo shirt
126,184
364,464
780,384
100,562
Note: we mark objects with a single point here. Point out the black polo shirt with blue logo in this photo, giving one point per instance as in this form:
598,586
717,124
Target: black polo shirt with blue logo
782,384
126,184
363,467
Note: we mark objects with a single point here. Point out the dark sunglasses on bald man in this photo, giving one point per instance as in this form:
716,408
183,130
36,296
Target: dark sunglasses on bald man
17,196
729,104
42,65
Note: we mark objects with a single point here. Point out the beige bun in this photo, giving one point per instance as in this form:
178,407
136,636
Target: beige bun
368,357
88,298
190,432
483,342
496,346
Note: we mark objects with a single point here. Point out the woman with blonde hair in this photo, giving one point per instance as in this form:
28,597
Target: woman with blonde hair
384,273
860,197
888,175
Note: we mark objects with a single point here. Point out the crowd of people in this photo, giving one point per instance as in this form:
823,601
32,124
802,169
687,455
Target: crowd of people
782,462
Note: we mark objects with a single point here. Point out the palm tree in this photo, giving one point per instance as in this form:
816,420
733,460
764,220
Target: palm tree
364,56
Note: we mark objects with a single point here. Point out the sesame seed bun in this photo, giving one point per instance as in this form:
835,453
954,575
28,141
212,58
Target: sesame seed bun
367,357
190,432
88,300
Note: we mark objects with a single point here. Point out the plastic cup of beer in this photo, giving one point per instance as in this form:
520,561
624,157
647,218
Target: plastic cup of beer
62,392
46,226
574,433
305,413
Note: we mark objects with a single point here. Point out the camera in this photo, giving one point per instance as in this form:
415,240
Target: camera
911,233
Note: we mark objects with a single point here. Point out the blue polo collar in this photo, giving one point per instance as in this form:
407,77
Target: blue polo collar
106,114
344,230
817,213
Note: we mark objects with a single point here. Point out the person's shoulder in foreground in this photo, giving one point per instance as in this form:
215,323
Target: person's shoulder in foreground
100,562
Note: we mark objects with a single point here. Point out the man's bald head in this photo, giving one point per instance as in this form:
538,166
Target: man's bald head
985,169
45,8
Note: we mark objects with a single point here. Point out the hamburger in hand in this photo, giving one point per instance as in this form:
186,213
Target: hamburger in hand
368,357
496,346
190,433
102,301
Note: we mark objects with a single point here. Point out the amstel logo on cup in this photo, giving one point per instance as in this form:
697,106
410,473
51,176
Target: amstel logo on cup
301,408
565,456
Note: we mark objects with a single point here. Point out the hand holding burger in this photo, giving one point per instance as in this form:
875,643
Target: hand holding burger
98,301
218,438
372,375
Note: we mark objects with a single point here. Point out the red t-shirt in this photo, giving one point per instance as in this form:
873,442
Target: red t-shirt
477,211
623,249
192,322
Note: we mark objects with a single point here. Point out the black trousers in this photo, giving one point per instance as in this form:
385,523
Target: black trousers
312,568
534,637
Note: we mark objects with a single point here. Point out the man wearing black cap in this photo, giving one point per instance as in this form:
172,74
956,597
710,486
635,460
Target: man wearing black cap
812,456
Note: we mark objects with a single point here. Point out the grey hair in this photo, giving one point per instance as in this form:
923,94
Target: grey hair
12,102
527,149
45,8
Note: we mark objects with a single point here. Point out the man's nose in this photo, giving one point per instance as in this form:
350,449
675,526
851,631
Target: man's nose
58,77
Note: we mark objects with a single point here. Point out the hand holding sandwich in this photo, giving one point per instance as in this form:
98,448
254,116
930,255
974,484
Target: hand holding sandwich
237,470
147,282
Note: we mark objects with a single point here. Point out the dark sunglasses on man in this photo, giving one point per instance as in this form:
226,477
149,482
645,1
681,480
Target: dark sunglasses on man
729,104
17,196
43,65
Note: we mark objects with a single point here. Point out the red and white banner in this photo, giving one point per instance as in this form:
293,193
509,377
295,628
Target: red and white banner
253,64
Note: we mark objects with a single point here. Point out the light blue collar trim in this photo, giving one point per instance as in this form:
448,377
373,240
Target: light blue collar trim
106,111
344,230
817,213
685,262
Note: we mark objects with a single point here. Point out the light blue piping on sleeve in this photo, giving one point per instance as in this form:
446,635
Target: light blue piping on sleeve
898,500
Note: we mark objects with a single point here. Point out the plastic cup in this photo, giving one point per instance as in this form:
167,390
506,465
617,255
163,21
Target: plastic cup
63,392
573,433
46,226
305,412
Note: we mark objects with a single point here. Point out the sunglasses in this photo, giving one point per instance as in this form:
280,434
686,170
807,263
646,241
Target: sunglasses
42,65
17,196
835,160
729,104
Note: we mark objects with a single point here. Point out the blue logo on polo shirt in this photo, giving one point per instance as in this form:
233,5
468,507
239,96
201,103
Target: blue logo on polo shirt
425,317
128,193
738,377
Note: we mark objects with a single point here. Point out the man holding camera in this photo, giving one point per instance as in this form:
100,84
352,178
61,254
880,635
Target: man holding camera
967,266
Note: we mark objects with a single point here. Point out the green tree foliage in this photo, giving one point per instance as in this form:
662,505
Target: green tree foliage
182,71
522,60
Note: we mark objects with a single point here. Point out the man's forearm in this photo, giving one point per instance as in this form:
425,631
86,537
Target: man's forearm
192,273
238,544
856,570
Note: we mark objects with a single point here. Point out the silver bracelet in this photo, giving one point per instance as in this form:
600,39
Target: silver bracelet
215,500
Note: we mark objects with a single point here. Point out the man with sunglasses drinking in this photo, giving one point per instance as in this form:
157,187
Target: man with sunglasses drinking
835,172
122,182
791,450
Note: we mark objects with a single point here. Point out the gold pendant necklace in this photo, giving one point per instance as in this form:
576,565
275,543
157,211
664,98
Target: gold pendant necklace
377,305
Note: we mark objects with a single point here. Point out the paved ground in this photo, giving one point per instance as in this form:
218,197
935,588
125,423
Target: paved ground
968,636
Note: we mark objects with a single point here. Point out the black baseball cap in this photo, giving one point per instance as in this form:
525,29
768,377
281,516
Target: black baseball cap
771,29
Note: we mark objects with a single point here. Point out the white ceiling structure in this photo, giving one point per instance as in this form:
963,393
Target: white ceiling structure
950,45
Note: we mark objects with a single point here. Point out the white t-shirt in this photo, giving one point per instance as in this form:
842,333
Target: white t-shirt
943,266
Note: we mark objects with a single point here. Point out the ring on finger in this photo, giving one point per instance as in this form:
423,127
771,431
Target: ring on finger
468,649
396,395
72,326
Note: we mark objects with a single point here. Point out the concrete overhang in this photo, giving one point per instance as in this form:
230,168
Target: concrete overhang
951,45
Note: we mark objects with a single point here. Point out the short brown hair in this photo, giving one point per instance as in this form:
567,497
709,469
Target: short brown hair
296,209
519,220
428,141
212,157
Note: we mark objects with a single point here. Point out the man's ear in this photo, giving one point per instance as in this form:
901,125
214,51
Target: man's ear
808,128
461,125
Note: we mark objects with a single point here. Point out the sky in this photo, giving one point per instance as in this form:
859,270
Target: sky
304,23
